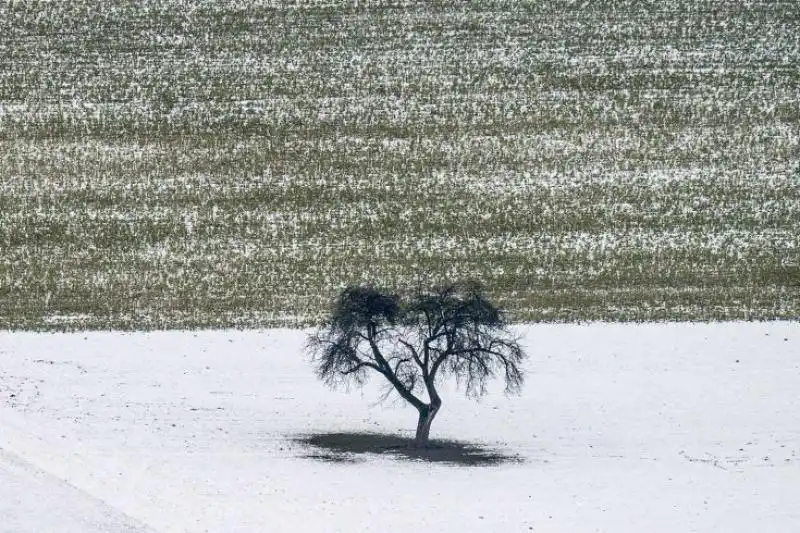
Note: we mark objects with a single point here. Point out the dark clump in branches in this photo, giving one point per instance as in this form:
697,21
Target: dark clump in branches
450,332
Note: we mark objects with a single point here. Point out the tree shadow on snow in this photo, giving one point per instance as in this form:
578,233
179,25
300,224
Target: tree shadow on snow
344,447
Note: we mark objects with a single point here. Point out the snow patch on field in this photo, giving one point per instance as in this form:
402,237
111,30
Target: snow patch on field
655,427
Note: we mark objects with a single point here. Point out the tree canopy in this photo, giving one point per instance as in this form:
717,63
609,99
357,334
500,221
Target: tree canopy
452,331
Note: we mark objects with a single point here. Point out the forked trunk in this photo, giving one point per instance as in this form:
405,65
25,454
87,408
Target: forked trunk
426,416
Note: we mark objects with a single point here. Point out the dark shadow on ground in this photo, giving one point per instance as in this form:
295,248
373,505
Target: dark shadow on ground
346,447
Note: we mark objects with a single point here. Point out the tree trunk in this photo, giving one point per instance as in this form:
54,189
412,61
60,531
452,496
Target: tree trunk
426,416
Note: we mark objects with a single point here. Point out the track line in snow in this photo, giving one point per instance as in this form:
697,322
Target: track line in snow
33,500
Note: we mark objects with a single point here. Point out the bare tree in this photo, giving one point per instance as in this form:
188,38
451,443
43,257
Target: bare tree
452,331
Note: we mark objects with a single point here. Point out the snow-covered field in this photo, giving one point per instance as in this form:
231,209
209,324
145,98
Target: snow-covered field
622,428
191,165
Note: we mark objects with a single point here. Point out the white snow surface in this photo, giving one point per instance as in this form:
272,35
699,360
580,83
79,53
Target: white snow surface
621,428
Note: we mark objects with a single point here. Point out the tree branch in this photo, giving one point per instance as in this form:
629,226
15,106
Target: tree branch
392,377
359,366
400,362
414,354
